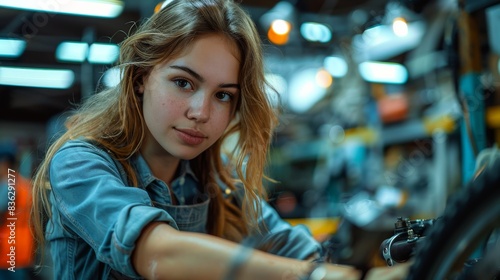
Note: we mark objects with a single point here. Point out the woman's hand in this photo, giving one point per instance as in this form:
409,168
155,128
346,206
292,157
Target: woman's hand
341,272
396,272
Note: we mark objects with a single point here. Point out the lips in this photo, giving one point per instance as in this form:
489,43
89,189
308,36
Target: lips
190,136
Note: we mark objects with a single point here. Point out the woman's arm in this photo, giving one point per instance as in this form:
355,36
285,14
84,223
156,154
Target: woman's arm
163,252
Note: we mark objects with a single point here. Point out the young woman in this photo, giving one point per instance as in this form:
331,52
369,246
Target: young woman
138,188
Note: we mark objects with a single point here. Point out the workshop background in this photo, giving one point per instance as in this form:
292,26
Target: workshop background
384,103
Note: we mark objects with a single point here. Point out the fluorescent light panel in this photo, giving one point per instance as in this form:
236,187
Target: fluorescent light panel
112,77
336,66
96,8
32,77
315,32
383,72
103,53
97,53
304,92
381,43
11,48
72,51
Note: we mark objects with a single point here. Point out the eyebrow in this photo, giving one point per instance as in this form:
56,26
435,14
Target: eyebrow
200,78
230,86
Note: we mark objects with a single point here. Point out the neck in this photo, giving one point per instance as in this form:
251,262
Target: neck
165,171
163,166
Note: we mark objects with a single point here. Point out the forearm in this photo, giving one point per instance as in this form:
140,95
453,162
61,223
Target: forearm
163,252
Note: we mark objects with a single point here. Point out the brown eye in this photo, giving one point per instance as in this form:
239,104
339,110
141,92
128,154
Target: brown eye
183,83
224,96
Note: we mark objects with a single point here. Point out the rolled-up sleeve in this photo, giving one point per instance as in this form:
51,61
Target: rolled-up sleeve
95,204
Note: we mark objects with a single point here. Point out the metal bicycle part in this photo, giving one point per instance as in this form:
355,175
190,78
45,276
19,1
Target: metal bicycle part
407,235
467,222
387,248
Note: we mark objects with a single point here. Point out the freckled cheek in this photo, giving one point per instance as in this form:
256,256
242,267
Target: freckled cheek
224,116
159,110
168,109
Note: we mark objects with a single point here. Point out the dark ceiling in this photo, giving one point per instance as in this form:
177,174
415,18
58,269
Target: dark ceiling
43,32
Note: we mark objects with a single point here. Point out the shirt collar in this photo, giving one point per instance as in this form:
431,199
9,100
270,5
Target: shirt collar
146,177
185,169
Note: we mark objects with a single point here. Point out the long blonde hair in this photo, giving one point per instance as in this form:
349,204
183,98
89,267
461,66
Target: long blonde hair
114,118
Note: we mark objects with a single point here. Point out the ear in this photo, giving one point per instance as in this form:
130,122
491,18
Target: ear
139,89
140,86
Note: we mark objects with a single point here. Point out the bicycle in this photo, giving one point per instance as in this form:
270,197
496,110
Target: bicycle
464,243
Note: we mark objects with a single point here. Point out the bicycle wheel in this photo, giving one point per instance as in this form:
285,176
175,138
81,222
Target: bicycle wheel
468,220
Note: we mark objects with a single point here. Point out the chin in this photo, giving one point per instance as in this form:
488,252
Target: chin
187,156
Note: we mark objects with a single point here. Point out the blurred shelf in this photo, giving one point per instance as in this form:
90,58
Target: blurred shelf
417,129
404,132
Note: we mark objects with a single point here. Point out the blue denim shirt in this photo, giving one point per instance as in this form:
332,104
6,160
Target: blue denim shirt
97,217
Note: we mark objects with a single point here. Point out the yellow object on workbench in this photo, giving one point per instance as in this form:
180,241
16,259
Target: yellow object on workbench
320,228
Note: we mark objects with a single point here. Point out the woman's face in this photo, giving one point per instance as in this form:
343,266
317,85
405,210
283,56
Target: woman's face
189,101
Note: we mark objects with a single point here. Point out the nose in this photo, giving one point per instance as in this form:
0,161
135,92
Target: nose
199,107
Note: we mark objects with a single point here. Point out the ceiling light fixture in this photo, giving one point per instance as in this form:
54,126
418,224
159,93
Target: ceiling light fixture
11,48
323,78
303,91
97,53
95,8
33,77
381,42
316,32
112,77
279,22
72,51
279,32
400,27
336,66
101,53
161,5
383,72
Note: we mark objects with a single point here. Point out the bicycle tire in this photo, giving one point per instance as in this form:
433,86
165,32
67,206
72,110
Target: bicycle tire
467,220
